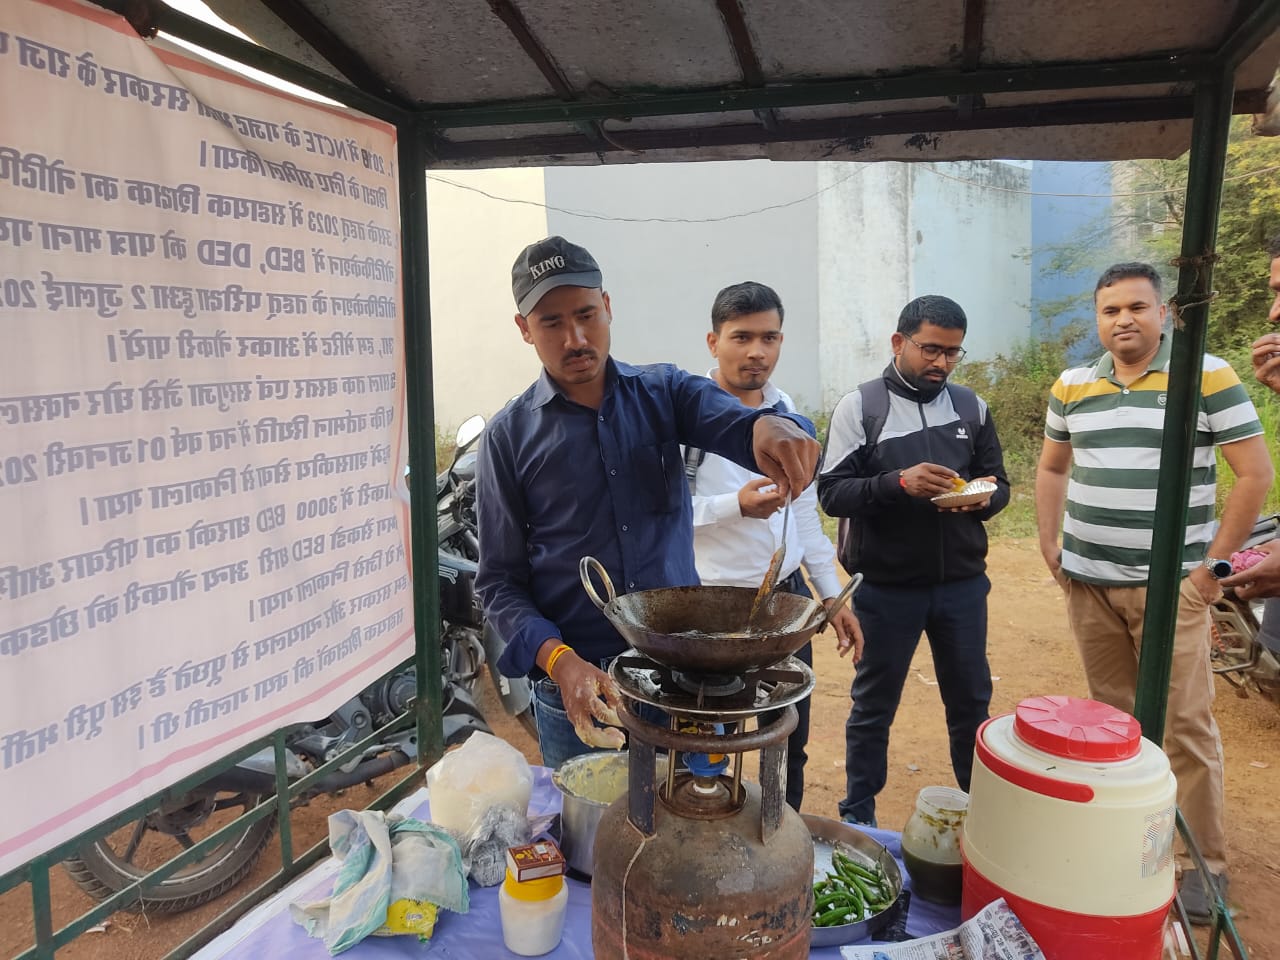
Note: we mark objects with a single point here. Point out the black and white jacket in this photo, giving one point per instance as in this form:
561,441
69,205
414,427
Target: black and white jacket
894,538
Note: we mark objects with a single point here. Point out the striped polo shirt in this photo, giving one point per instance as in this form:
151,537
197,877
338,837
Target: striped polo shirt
1115,435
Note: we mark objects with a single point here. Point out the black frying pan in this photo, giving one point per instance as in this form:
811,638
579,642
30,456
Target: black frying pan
704,629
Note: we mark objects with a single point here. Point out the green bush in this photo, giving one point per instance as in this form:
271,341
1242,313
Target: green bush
445,446
1268,406
1016,388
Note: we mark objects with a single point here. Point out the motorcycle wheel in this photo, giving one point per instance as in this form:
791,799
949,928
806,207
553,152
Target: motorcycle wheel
122,858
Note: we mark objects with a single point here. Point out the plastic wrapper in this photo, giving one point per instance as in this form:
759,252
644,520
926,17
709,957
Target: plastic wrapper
484,772
484,849
1244,559
480,794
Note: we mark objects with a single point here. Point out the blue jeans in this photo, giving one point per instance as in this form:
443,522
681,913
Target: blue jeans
557,740
556,737
954,618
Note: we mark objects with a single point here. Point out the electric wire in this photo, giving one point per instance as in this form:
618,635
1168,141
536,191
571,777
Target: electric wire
593,215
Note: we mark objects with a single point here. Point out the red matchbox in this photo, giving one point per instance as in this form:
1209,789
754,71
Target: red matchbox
534,860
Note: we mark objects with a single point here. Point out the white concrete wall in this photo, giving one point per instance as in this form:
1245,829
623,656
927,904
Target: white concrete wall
864,274
972,243
663,276
480,362
890,232
846,245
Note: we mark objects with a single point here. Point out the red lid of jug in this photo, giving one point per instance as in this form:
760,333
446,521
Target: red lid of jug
1077,729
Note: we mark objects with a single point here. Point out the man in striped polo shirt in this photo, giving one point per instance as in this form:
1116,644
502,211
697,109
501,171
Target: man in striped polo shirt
1101,461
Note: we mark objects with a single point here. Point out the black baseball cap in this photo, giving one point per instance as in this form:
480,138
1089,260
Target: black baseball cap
550,263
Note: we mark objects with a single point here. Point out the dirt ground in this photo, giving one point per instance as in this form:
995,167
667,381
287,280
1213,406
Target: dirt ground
1031,653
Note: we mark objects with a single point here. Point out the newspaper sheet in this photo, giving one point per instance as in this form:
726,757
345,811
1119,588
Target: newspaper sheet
994,933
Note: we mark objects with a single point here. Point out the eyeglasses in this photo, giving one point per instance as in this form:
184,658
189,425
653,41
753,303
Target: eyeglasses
931,351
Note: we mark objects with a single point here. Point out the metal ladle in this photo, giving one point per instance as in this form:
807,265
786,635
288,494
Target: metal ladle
770,581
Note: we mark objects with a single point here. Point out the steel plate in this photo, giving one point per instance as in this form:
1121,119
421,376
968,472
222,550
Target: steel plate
827,835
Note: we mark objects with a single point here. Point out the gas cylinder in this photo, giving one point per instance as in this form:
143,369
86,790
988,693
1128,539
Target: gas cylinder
704,885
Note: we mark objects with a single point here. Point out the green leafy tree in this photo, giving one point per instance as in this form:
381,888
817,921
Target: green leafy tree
1145,223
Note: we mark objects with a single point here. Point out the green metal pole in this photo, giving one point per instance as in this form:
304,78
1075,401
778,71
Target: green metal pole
422,448
1249,34
1209,130
42,909
284,810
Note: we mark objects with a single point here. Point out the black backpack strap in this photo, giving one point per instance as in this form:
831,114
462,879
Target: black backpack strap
693,458
968,410
875,409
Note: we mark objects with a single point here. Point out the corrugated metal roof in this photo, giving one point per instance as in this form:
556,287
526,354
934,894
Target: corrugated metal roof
606,81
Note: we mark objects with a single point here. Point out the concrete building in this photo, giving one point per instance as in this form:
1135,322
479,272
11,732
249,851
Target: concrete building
845,245
1071,204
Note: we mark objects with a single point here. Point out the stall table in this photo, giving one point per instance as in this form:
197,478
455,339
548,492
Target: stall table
269,931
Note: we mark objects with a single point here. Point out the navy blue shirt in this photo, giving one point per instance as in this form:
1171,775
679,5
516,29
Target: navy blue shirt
557,481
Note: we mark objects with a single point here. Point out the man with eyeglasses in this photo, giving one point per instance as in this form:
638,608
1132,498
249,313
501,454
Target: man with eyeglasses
894,444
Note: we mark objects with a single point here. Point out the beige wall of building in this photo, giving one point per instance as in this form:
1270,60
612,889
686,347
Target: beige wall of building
479,359
845,245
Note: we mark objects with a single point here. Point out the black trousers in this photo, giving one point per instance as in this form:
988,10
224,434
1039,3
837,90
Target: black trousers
954,618
799,739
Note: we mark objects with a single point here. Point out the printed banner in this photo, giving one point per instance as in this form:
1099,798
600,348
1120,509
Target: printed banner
201,400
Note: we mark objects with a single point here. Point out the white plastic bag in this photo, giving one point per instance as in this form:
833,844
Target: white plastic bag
484,772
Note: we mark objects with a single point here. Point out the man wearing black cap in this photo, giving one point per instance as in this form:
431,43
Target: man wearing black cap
586,462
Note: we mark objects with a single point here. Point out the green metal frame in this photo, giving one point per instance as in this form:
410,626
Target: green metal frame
418,130
1210,127
911,86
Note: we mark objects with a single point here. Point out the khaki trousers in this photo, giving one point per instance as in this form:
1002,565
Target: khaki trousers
1107,624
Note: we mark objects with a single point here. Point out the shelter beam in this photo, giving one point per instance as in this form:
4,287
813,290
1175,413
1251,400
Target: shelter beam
326,43
744,51
148,16
1211,124
975,12
510,14
1064,76
851,129
1249,34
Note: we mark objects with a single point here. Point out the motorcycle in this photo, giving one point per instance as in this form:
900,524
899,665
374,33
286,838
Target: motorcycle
1237,653
105,866
470,641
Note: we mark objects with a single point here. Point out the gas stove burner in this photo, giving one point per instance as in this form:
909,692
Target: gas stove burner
700,695
708,684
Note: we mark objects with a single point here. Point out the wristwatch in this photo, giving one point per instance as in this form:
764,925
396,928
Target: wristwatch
1219,568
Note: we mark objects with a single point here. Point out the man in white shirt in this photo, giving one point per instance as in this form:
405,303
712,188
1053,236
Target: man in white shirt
737,514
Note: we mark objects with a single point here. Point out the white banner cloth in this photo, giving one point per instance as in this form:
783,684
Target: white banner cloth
201,386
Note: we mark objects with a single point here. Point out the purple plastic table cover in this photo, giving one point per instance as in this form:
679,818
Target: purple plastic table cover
268,930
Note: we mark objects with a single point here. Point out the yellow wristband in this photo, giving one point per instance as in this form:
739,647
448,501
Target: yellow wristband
556,654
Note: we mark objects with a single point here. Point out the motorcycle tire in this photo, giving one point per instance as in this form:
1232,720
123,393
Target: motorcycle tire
110,864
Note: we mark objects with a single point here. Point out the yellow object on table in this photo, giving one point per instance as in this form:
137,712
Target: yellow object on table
409,916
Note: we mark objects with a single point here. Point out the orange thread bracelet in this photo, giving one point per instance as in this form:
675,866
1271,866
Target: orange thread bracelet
556,654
